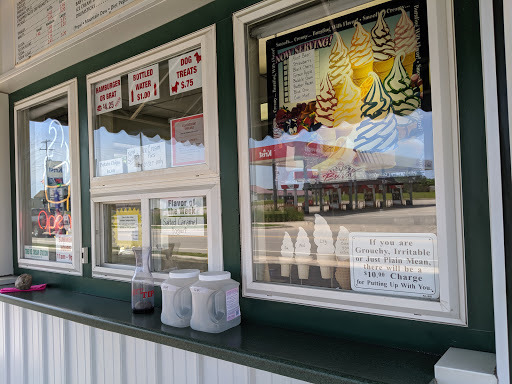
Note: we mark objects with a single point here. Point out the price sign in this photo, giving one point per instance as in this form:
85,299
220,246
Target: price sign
185,72
143,85
108,95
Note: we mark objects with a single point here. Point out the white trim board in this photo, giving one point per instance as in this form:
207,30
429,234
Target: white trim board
131,22
6,265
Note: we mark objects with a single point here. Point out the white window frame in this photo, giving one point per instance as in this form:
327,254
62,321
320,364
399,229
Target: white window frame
451,307
68,88
169,182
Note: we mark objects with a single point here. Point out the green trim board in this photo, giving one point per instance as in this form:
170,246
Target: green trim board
295,354
414,335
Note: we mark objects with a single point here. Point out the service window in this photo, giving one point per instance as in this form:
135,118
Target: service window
154,160
47,180
349,166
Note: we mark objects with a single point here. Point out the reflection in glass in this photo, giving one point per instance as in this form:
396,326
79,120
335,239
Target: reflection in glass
178,233
45,181
342,145
156,134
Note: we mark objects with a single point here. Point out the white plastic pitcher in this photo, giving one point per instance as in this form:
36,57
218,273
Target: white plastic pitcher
215,302
177,298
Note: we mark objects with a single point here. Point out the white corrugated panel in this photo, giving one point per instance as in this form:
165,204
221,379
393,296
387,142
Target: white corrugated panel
40,349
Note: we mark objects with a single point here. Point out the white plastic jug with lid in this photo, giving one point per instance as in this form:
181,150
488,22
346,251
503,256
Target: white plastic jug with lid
177,298
215,302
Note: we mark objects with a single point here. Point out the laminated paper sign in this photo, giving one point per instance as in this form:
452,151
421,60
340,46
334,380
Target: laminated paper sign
110,167
187,140
64,248
146,158
143,85
185,72
127,231
402,264
37,253
107,95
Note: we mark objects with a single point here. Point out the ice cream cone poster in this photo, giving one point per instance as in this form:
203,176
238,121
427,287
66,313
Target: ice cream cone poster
369,67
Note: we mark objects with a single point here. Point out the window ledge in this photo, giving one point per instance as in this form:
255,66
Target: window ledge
299,355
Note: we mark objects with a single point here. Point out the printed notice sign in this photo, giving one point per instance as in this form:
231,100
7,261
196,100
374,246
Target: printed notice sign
146,158
143,85
128,228
64,248
37,253
183,216
185,72
187,140
402,264
301,69
107,95
110,167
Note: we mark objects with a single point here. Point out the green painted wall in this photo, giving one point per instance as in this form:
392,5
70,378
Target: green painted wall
372,329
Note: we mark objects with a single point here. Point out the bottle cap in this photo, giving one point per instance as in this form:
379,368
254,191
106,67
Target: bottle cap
214,276
183,273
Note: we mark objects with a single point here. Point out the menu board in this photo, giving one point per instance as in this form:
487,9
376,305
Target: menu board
42,23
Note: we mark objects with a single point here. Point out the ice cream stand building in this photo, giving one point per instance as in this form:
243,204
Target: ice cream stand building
347,161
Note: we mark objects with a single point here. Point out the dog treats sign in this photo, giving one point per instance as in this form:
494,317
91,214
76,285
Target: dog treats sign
185,72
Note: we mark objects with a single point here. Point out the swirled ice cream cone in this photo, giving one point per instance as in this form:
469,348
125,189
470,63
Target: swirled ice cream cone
342,252
339,63
322,236
361,54
383,47
303,254
348,108
326,103
287,251
405,40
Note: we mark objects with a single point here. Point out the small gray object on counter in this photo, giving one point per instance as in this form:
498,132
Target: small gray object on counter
23,282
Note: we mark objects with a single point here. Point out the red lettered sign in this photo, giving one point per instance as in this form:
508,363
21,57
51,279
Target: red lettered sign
185,72
108,95
143,85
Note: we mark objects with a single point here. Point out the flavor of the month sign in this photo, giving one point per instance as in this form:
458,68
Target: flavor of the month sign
110,167
146,158
187,141
185,72
37,253
108,95
127,228
404,264
143,85
182,216
64,248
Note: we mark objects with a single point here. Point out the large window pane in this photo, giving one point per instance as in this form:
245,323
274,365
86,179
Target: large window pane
45,181
179,233
341,153
150,118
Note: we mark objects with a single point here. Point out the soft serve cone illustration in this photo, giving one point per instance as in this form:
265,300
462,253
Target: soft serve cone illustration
361,54
348,108
303,254
377,135
287,251
339,62
398,86
326,103
383,47
322,236
405,39
342,274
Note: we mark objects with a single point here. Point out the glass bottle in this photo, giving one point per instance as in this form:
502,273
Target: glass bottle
143,284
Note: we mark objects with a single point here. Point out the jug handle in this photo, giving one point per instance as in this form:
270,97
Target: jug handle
214,317
178,309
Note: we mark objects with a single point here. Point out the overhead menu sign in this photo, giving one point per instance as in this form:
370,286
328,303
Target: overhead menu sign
41,24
